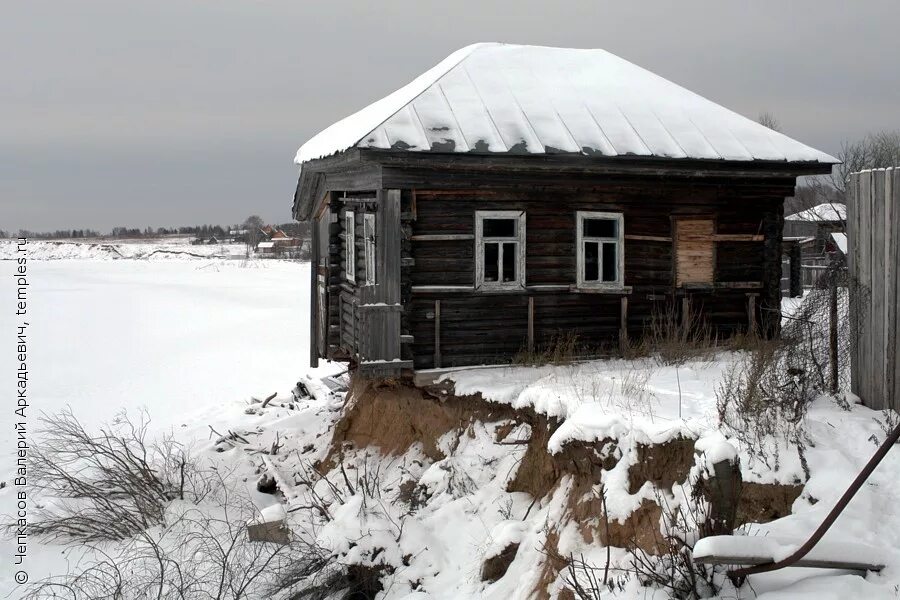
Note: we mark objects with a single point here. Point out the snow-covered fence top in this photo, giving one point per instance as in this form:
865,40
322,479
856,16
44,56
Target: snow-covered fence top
505,98
873,232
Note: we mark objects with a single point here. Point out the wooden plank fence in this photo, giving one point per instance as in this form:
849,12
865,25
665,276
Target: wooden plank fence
873,232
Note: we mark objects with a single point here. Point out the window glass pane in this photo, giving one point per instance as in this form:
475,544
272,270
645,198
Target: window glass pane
591,261
600,228
499,227
509,262
491,259
610,261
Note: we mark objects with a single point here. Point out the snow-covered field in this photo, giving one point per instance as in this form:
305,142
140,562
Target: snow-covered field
179,338
168,248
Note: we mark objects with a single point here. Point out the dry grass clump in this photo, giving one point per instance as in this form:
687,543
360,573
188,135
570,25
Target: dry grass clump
676,335
564,348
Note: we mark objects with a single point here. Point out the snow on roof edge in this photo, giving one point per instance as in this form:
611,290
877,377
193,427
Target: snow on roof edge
391,111
344,134
824,212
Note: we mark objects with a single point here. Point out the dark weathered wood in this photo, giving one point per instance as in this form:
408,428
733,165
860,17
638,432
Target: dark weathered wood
751,314
738,237
437,334
356,169
432,240
314,309
531,323
443,238
649,238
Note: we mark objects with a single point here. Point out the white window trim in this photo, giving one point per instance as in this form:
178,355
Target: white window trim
480,216
350,241
369,247
619,283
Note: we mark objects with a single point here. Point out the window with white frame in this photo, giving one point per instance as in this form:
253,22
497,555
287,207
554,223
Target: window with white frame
369,247
350,246
500,249
600,249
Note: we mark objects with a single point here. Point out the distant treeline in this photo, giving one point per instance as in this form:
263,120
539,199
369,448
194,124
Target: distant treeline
197,231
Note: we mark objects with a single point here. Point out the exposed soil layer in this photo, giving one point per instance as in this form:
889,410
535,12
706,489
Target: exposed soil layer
764,502
663,465
396,416
495,567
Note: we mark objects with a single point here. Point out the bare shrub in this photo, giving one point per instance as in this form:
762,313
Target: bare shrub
108,485
157,525
199,552
765,397
673,570
809,324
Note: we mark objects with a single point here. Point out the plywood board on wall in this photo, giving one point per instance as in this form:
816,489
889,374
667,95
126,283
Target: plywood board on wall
695,258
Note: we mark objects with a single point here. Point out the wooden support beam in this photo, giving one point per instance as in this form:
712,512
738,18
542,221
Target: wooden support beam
738,237
531,323
723,285
623,324
751,314
648,238
353,200
609,291
450,237
437,334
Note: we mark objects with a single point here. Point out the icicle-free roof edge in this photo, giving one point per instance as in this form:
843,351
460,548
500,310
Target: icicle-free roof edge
501,81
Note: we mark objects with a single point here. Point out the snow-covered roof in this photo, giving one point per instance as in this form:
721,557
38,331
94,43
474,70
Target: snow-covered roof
841,240
266,245
821,213
507,98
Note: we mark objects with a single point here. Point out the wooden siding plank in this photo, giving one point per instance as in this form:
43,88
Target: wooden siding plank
894,365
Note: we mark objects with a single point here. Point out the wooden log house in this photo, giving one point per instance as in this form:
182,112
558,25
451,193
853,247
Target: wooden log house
512,194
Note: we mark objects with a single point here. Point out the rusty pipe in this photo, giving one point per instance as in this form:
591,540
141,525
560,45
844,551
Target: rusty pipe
803,550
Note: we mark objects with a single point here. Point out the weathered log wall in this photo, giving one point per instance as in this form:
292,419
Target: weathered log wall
477,327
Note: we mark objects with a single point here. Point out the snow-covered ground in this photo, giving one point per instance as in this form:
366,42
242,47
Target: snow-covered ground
180,338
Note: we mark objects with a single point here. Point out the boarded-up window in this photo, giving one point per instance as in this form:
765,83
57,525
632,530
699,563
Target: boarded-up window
695,257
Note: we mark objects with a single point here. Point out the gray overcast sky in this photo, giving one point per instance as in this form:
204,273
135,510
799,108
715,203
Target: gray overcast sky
168,112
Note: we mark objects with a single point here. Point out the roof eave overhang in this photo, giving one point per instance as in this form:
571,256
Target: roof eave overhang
316,175
598,164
